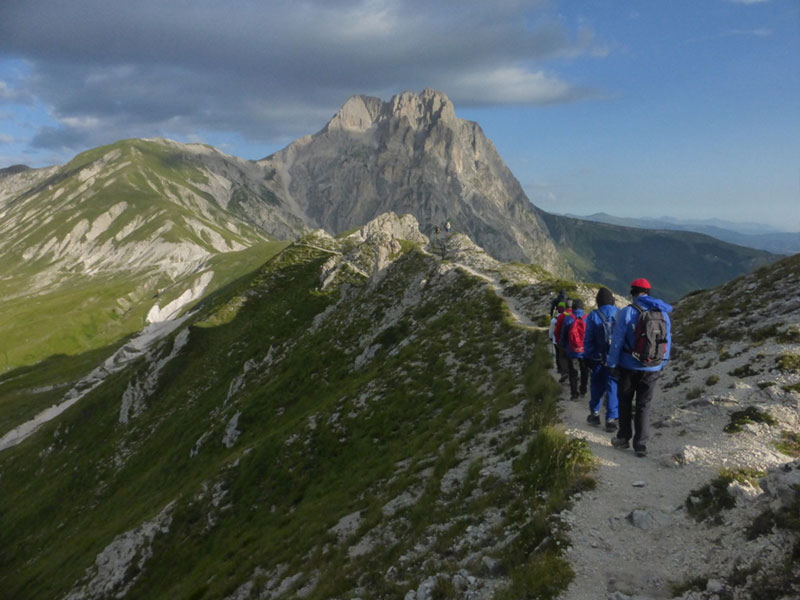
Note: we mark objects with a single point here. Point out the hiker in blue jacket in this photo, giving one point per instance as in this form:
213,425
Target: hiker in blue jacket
571,341
596,343
639,361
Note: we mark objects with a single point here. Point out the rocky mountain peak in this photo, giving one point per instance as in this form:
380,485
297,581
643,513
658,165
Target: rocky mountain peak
360,113
424,108
412,155
357,114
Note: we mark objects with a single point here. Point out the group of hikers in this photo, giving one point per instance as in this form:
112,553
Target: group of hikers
616,354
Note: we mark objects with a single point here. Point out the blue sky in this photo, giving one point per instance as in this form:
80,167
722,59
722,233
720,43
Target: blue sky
683,108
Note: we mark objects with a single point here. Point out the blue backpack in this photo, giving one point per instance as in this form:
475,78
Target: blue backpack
607,325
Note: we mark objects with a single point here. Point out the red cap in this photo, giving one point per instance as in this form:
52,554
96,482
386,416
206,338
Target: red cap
641,283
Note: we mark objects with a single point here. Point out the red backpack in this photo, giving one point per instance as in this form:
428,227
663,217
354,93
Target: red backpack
575,334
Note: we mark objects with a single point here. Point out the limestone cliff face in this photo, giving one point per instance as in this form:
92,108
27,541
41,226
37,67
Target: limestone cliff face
412,155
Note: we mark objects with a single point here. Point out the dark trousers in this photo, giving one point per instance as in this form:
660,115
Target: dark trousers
577,368
557,355
640,385
563,360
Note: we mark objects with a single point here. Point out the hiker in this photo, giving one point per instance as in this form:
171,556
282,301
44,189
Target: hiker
560,354
560,308
447,229
562,297
640,348
437,231
597,341
572,333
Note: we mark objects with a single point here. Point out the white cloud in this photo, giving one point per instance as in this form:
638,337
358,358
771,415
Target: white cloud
511,85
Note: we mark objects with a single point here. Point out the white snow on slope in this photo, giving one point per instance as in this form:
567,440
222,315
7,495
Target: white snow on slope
171,310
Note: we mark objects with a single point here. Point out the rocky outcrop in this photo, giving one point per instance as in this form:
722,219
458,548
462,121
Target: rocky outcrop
412,155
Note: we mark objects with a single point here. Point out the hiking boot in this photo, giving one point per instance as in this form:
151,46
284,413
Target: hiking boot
620,442
612,424
593,419
583,391
641,452
573,397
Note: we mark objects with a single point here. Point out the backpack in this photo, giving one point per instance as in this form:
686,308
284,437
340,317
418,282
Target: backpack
607,325
575,335
649,337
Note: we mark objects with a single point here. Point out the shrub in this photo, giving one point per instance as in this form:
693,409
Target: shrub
751,414
789,443
743,371
710,500
694,393
790,336
789,363
697,584
712,380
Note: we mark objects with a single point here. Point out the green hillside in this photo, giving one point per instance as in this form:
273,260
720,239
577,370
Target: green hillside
675,262
89,250
297,441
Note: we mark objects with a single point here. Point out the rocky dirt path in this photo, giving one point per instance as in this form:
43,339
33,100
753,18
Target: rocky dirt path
631,534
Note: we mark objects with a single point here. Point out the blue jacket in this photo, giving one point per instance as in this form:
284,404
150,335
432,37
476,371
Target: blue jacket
595,344
568,321
622,339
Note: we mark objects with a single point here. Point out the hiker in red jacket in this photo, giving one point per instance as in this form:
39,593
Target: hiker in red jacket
572,333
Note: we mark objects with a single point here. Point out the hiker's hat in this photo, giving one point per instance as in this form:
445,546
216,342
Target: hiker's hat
604,297
641,283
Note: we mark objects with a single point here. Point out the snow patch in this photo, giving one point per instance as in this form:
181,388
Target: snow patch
171,310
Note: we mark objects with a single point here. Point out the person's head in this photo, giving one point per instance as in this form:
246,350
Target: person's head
640,286
577,304
561,307
569,303
604,297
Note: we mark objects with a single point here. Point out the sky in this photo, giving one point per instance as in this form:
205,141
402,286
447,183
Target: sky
643,108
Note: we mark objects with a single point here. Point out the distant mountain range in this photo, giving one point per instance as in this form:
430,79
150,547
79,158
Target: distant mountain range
751,235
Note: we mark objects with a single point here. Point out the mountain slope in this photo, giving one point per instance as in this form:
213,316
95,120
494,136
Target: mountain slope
749,235
413,155
358,417
675,262
94,249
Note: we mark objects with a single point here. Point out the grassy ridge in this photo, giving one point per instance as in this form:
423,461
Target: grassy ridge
319,440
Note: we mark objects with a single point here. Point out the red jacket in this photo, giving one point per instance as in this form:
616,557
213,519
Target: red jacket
559,323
